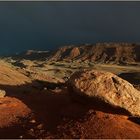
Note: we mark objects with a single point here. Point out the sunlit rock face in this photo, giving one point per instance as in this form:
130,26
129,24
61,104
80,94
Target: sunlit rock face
108,88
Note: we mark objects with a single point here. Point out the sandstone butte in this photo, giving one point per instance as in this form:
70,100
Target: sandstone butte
108,88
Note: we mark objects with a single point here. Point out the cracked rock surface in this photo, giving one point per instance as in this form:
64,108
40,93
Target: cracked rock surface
108,88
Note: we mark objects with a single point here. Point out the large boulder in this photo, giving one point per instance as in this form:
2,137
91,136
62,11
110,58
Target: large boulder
108,88
2,93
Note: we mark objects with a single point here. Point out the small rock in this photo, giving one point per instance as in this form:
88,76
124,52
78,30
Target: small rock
2,93
45,88
40,126
31,130
21,137
33,121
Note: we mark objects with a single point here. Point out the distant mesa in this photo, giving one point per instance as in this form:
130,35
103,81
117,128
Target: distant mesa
106,87
116,53
32,55
30,52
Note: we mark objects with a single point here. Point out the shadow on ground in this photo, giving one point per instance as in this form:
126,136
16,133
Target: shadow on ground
48,107
50,104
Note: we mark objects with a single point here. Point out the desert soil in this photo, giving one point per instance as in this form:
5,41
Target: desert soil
33,110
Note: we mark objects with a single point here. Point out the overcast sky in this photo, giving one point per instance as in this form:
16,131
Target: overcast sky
47,25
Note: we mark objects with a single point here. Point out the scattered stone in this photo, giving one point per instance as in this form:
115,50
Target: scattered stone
2,93
45,88
33,121
31,130
107,88
40,126
21,137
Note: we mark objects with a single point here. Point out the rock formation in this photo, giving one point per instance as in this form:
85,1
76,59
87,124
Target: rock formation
10,76
107,88
118,53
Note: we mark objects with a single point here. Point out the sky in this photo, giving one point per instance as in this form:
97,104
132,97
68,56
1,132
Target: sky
49,25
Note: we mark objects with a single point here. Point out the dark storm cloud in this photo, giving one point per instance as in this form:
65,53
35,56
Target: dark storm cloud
46,25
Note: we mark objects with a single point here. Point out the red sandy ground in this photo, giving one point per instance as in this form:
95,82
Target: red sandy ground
54,114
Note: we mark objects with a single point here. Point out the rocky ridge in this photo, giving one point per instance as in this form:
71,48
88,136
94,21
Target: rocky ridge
116,53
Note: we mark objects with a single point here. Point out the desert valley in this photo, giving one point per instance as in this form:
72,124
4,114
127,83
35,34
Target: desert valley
76,91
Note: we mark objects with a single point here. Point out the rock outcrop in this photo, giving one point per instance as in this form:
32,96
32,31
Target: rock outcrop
107,88
2,93
12,111
74,53
9,75
117,53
